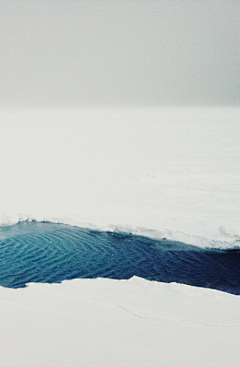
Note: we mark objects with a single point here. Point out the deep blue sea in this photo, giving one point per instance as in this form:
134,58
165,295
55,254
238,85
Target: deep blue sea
51,253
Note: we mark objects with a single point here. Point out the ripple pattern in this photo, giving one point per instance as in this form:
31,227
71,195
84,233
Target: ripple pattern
47,252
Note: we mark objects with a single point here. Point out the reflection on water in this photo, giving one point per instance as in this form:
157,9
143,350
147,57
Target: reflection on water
47,252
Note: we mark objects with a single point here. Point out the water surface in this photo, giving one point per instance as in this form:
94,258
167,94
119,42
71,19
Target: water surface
47,252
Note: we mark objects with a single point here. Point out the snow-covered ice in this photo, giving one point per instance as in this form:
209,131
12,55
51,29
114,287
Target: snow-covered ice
170,173
118,323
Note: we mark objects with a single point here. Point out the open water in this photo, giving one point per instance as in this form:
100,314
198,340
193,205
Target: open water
51,253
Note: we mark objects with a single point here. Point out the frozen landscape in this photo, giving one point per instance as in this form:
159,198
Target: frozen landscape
171,173
119,116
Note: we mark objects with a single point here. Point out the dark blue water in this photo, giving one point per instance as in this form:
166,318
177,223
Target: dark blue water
46,252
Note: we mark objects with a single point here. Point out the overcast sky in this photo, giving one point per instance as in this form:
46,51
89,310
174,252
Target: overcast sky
119,52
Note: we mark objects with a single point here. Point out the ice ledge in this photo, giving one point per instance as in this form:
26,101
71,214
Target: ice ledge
229,236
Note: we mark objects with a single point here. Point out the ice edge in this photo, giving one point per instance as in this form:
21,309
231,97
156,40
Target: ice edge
225,241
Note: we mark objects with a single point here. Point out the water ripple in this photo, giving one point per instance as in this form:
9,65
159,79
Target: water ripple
47,252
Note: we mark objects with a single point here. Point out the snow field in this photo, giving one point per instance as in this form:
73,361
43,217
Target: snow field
158,172
170,173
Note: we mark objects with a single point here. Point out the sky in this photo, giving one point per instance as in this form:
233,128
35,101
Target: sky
62,53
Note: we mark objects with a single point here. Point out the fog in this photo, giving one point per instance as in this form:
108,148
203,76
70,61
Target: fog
119,53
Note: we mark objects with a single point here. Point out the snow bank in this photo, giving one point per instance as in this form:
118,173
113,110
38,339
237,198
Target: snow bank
170,173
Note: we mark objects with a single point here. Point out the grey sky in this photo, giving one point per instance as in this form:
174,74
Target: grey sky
119,52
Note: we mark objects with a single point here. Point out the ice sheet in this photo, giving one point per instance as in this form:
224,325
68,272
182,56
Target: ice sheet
170,173
105,323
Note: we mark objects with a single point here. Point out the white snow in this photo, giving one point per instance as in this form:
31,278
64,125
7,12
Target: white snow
170,173
118,323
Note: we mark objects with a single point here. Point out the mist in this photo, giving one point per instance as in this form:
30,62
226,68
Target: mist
119,53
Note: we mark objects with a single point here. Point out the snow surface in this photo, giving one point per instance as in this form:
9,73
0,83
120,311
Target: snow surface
118,323
170,173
